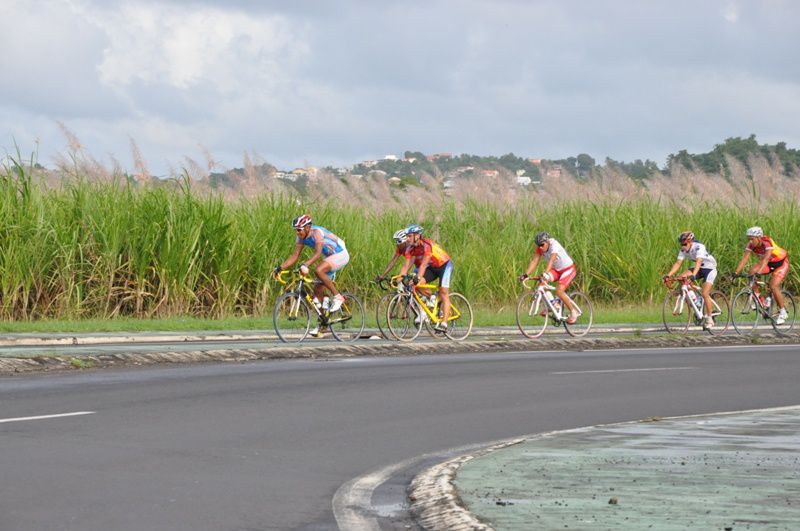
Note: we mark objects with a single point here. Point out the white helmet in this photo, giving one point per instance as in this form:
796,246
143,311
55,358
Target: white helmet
400,236
755,231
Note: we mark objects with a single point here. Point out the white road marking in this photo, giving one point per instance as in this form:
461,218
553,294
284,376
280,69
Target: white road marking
42,417
627,370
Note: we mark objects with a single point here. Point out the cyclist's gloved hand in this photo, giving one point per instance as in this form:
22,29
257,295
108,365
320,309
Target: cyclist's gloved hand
277,271
523,277
380,278
304,269
692,277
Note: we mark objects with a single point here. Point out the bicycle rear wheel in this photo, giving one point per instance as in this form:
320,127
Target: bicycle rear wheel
676,312
585,319
720,312
745,313
403,317
532,314
459,323
791,311
347,323
291,317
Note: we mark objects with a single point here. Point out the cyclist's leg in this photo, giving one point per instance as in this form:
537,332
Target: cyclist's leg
707,277
775,281
565,278
444,289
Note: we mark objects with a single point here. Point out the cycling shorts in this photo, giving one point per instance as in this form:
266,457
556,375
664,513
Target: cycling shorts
337,262
779,269
564,276
707,275
443,273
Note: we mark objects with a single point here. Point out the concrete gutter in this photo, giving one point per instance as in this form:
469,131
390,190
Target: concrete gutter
22,364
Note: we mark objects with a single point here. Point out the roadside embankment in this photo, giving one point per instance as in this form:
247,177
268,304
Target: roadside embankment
11,364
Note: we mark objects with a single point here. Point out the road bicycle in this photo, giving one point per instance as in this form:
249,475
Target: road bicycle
750,308
536,306
684,306
296,307
409,309
391,285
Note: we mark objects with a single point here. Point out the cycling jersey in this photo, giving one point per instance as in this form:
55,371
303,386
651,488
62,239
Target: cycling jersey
424,248
696,252
767,245
563,260
331,243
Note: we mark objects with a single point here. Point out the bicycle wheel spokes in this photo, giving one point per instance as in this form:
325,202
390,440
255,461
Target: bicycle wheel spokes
347,323
583,324
403,318
720,313
745,312
459,323
532,314
676,312
791,313
291,317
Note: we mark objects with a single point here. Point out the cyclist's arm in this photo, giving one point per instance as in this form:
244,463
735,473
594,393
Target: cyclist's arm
761,263
318,241
743,261
391,264
532,265
289,262
675,267
550,262
697,265
423,266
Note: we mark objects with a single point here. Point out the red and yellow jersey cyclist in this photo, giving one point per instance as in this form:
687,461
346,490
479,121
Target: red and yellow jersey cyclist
401,243
432,262
560,268
771,259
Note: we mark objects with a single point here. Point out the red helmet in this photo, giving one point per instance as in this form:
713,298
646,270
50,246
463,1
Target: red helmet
301,221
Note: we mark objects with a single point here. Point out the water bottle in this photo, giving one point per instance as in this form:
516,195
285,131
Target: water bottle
548,295
693,297
316,303
326,303
432,301
767,302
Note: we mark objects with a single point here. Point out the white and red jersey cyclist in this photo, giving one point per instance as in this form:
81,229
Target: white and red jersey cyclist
563,268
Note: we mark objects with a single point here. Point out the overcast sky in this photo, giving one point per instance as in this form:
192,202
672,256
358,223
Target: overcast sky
333,82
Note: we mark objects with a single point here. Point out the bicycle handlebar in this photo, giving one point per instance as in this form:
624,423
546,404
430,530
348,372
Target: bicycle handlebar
293,275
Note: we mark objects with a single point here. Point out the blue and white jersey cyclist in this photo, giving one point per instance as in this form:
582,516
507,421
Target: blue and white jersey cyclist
703,269
325,244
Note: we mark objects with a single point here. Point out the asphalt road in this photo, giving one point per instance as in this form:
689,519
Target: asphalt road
267,445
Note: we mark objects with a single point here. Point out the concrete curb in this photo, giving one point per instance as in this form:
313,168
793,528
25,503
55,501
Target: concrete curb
11,365
435,503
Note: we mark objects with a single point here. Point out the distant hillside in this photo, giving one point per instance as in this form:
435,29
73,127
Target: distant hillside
739,170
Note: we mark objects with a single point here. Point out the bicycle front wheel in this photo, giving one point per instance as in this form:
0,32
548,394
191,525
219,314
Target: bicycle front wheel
347,323
459,322
404,318
720,313
291,317
791,312
380,315
676,312
745,312
532,314
585,319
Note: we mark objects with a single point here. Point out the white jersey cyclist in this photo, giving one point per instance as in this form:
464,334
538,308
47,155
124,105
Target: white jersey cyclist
563,260
708,267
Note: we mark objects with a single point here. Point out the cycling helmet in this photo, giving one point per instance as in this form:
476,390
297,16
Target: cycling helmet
301,221
400,236
541,238
414,229
755,231
685,236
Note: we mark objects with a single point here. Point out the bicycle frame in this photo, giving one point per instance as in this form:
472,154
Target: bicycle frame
432,313
556,311
752,283
299,283
698,308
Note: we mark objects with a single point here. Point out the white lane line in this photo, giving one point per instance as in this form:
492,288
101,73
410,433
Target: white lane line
628,370
42,417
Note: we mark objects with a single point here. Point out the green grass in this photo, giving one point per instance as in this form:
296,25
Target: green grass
484,316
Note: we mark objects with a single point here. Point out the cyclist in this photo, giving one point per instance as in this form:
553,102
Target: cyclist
560,267
325,243
401,242
704,269
432,262
772,259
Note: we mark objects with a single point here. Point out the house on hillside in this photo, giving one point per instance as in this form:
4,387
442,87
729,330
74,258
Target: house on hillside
555,171
490,173
437,156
